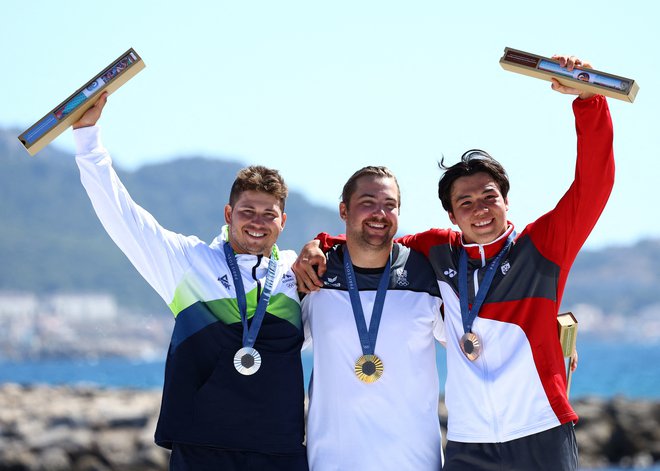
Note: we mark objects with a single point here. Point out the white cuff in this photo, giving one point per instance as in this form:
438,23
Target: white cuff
88,140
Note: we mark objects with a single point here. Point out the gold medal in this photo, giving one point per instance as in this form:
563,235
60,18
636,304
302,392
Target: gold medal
470,345
247,361
368,368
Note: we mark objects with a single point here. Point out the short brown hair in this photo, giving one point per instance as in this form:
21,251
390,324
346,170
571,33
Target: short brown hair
472,161
259,178
368,171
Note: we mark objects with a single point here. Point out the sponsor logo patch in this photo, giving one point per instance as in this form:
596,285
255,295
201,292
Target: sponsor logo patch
225,281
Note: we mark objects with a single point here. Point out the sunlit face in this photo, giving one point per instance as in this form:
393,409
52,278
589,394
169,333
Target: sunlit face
372,213
478,208
255,222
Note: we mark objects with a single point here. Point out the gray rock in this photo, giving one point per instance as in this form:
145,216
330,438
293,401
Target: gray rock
87,429
53,459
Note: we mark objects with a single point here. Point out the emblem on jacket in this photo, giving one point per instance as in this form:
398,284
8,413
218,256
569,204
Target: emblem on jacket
225,281
332,281
401,277
505,267
288,280
450,272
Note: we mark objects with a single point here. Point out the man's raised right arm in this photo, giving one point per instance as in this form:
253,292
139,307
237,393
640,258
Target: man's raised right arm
158,254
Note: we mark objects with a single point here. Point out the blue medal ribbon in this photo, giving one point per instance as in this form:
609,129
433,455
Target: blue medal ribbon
250,334
367,337
469,315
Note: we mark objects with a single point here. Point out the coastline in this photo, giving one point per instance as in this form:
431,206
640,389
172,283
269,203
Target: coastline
86,427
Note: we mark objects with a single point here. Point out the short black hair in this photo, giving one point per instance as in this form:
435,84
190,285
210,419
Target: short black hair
369,171
473,161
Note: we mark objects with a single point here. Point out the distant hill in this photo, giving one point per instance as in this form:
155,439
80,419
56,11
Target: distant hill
619,280
51,240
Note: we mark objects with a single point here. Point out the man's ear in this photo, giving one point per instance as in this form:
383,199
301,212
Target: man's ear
343,210
506,203
227,214
452,218
283,220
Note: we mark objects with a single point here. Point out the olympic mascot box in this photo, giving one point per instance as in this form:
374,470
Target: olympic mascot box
41,133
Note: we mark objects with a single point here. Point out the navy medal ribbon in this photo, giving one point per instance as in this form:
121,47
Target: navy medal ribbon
470,344
247,360
368,367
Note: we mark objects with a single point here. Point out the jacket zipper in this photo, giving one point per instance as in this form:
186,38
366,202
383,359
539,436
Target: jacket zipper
255,278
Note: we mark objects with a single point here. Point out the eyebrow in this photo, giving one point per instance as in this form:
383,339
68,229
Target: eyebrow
253,206
372,196
488,189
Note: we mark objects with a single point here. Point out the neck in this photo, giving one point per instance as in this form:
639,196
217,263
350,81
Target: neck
369,257
240,251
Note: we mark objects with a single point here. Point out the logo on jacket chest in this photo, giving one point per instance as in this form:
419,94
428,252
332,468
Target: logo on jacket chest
225,281
401,275
289,281
504,269
332,281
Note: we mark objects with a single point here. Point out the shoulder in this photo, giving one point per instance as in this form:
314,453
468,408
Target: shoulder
425,241
413,271
287,257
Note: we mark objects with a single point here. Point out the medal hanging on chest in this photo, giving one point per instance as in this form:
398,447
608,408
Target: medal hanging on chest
470,343
247,359
368,367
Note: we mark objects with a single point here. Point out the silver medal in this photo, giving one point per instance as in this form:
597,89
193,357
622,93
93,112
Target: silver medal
247,361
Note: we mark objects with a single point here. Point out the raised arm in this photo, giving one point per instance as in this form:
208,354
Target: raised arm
560,234
158,254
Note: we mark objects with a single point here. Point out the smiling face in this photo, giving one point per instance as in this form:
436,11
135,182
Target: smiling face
255,222
478,208
371,214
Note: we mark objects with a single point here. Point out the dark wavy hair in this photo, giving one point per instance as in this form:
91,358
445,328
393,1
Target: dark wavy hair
473,161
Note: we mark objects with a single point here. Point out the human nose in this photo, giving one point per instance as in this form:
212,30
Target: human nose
481,207
379,210
258,219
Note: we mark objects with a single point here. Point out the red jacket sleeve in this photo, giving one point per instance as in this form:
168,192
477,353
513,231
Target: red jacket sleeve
328,241
560,233
422,242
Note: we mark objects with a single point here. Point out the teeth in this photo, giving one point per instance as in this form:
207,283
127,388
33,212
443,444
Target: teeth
376,226
256,234
480,224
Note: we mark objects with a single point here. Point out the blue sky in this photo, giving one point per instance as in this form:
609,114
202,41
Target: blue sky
320,89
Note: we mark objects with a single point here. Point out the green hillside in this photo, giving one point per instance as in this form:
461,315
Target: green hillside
51,241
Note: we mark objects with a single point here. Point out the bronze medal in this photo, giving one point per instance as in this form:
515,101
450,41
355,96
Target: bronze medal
247,361
470,345
368,368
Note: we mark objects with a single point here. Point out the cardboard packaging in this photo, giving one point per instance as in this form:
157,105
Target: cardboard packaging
41,133
567,325
586,79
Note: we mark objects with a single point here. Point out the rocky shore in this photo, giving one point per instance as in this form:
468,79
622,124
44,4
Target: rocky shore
48,428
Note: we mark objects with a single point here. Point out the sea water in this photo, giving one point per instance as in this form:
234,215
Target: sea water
605,369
